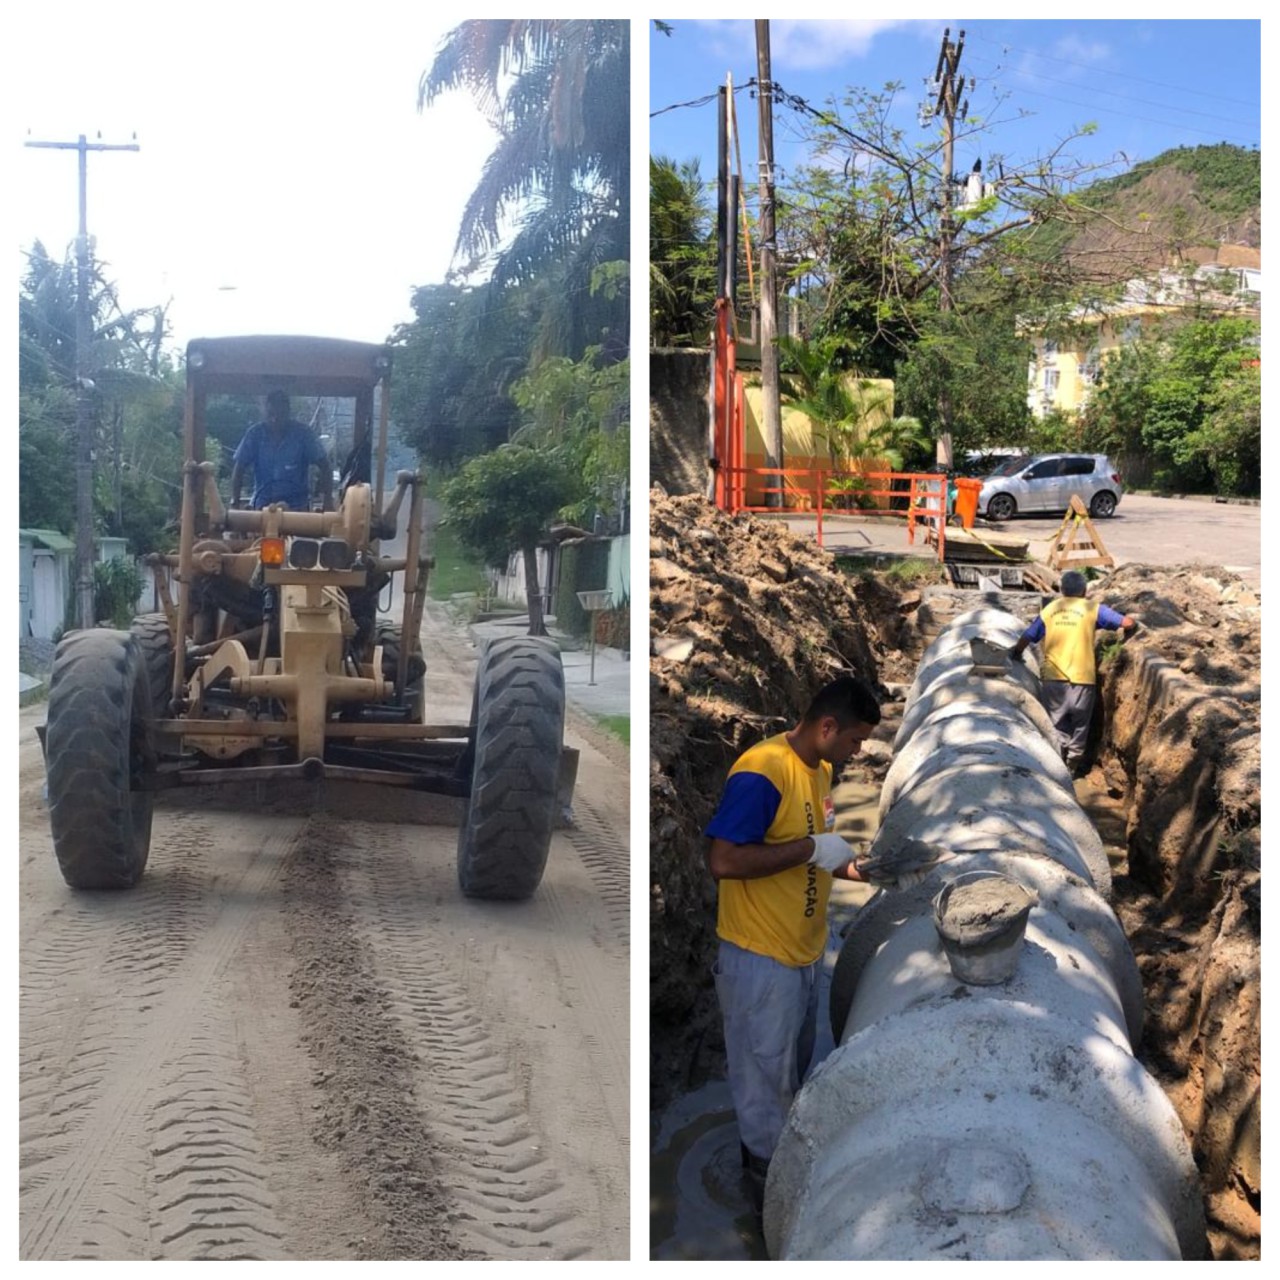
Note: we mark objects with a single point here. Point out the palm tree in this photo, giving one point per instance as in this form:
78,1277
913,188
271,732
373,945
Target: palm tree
847,411
558,93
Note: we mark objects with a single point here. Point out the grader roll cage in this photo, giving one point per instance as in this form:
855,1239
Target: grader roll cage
273,664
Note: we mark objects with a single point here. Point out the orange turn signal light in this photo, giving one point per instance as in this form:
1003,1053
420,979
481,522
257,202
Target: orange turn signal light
271,551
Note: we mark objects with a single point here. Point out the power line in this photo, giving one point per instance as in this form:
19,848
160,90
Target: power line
698,102
1111,93
1125,75
1129,115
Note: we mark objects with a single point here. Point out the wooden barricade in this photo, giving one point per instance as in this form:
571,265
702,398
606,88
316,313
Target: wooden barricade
1077,543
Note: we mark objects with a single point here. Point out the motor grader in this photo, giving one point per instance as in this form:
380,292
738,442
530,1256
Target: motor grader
272,662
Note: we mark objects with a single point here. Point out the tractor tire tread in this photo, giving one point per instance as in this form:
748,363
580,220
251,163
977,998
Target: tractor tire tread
519,731
101,828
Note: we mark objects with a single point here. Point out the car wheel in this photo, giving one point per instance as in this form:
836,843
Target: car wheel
1103,505
1001,507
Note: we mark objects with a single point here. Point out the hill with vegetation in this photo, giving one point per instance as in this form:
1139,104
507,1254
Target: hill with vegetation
1168,209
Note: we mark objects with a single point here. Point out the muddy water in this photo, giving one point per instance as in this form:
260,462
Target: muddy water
699,1205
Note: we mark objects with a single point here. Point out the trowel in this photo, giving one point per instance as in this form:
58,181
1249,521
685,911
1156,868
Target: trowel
988,659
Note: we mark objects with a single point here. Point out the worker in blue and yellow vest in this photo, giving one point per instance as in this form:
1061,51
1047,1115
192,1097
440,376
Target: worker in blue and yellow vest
1069,672
773,853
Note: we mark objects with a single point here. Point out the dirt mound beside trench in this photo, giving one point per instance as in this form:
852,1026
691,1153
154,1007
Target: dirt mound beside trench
747,622
1182,750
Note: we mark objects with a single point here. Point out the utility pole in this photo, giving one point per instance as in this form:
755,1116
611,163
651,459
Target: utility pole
948,107
768,267
84,385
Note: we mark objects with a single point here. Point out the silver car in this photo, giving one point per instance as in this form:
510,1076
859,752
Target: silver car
1046,481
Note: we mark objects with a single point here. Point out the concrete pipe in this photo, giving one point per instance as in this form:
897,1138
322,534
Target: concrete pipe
983,1100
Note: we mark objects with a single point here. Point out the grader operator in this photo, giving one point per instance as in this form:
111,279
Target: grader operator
274,663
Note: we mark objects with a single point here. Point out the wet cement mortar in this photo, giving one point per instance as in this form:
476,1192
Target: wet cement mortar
362,1069
749,620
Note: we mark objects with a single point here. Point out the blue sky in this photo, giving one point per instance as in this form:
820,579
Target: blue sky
1148,85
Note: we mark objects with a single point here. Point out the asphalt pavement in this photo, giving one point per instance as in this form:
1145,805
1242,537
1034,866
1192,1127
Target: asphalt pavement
1144,530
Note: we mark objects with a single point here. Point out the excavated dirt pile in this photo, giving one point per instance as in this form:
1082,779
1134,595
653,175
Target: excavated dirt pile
1181,751
748,622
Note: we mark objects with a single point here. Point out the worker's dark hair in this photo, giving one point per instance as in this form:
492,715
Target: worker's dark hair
1074,583
849,699
278,398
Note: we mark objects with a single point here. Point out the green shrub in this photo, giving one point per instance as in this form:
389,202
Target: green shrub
117,584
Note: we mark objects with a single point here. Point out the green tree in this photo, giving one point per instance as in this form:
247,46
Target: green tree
1185,400
558,93
504,501
682,255
850,413
133,383
578,412
455,365
977,356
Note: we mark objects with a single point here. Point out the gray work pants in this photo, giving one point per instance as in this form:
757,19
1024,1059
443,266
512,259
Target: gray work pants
1070,707
770,1013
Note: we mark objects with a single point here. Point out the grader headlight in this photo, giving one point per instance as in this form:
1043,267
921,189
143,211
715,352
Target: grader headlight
303,553
271,551
335,553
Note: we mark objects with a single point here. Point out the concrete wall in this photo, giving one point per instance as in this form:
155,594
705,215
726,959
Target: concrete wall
679,420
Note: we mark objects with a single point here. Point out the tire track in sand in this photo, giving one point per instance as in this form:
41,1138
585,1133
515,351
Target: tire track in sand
163,949
512,1200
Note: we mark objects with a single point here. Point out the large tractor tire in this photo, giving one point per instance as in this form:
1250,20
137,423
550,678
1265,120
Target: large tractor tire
98,741
518,728
151,631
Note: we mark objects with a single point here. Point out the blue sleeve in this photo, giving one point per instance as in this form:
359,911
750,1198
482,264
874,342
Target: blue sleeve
247,450
1035,632
747,809
1109,619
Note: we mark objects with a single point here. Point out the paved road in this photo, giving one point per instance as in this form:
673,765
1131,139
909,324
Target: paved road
1168,531
1146,530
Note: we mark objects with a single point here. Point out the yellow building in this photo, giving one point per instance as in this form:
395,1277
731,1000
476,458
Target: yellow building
804,447
1063,374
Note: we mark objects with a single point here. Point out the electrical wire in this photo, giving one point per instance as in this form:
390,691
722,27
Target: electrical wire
1124,75
996,69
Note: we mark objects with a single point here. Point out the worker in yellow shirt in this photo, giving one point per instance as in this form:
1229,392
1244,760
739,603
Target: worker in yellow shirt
773,854
1069,673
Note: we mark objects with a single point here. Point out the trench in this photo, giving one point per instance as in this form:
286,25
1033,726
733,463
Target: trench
1181,845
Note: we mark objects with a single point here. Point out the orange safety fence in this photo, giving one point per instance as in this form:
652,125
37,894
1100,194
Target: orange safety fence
823,491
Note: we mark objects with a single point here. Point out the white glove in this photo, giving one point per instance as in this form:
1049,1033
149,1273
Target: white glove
831,852
909,879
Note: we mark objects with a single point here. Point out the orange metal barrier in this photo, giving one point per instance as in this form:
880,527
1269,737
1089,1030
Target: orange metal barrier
820,491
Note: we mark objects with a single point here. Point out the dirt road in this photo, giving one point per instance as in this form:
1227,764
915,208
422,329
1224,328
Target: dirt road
296,1039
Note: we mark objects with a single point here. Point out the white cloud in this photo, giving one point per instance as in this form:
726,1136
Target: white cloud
799,43
1078,50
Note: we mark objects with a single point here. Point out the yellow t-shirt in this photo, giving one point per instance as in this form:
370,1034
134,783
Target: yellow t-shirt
773,797
1070,625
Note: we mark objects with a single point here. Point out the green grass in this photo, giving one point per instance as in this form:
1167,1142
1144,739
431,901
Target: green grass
619,726
903,572
457,567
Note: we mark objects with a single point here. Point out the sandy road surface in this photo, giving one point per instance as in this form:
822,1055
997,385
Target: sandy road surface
296,1039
